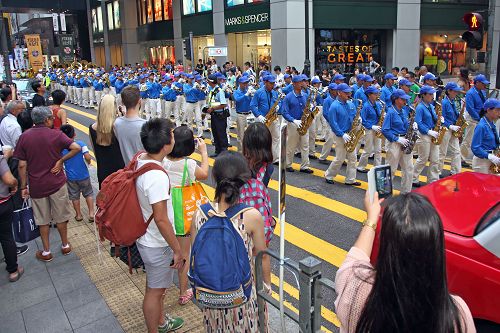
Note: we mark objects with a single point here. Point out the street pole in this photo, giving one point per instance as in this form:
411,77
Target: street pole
191,50
489,42
107,51
4,48
307,62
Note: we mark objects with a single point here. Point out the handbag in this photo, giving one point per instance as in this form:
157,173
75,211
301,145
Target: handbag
185,201
23,224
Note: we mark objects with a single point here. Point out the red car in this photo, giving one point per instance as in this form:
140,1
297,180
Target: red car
469,206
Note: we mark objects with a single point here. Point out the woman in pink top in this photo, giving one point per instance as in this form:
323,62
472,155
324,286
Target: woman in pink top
407,290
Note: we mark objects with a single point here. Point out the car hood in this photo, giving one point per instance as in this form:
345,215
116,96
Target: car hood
462,200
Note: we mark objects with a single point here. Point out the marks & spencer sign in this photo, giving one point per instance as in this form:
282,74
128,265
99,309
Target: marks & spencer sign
247,18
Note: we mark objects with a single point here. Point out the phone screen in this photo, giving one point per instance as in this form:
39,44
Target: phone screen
383,181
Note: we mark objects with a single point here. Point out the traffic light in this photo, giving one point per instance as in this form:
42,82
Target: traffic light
474,36
186,47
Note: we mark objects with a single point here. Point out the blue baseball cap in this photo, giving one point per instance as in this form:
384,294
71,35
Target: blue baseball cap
344,87
452,86
286,76
269,78
427,90
297,78
399,93
177,75
360,77
491,103
264,73
198,77
481,78
163,80
332,86
119,74
405,82
315,80
389,76
338,77
245,74
168,78
371,90
212,78
368,78
304,77
190,76
243,79
429,76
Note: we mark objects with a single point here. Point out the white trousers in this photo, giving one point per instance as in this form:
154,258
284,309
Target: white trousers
294,141
451,144
192,111
79,96
481,165
340,155
169,111
465,148
112,91
98,96
395,157
327,147
241,125
373,145
312,135
153,108
427,151
92,99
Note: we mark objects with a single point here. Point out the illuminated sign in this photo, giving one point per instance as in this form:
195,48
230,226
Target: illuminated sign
344,52
474,21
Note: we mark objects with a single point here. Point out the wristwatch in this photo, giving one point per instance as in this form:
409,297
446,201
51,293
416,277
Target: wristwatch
373,225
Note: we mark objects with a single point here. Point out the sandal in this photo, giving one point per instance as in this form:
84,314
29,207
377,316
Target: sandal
20,272
78,219
184,299
91,219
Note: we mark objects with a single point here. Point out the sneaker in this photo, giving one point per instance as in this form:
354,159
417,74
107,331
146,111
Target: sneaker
323,161
356,183
66,251
39,255
313,157
22,249
307,170
171,324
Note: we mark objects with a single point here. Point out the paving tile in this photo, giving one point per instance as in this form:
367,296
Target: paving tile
46,317
79,297
88,313
108,324
13,323
68,277
27,281
23,299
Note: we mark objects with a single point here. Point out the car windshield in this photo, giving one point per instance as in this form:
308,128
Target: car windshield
23,85
493,216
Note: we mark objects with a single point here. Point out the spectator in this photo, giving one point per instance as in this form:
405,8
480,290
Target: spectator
257,149
158,247
60,118
407,290
25,121
175,163
39,153
102,137
39,98
463,79
231,172
8,187
128,127
78,176
5,95
10,130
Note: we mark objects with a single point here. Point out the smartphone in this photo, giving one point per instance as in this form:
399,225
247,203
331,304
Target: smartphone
380,180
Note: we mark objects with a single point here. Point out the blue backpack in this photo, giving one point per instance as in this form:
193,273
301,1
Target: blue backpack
220,272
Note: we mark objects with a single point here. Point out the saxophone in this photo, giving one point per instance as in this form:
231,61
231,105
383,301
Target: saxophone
357,131
381,119
439,128
272,115
461,122
495,169
411,134
307,114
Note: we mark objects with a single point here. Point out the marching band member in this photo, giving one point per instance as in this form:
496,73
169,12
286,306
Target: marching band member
431,80
292,108
169,96
262,101
365,81
143,91
387,89
340,117
70,87
327,147
112,80
192,111
338,79
394,129
98,88
313,130
426,119
79,89
358,84
486,140
153,108
217,109
370,113
202,97
288,86
180,101
474,101
405,85
119,84
242,98
450,142
90,81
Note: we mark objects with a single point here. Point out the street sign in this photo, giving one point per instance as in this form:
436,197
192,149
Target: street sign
217,51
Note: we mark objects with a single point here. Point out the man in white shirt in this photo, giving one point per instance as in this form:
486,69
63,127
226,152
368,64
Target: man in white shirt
159,248
10,130
280,79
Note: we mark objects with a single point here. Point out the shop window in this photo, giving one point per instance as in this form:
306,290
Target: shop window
94,21
445,53
109,10
196,6
150,11
204,5
158,10
100,26
116,12
167,5
188,7
232,3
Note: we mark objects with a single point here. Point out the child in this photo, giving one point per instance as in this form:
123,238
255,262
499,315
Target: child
174,164
78,176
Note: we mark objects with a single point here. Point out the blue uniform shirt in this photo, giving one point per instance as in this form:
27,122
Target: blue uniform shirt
262,101
370,113
385,95
425,117
112,79
360,94
179,87
154,89
201,95
327,102
241,101
395,123
98,86
485,138
474,100
75,167
340,116
355,87
143,90
84,83
77,83
216,97
169,94
190,93
287,89
450,112
293,106
119,85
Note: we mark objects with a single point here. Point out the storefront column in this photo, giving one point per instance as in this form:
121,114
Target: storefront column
176,13
128,24
287,33
220,37
495,48
406,41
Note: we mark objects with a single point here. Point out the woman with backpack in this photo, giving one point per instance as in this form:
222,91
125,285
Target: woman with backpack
175,163
230,172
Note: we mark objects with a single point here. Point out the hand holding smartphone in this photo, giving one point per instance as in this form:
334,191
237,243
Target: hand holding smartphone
380,180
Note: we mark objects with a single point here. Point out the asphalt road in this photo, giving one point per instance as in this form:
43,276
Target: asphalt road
323,220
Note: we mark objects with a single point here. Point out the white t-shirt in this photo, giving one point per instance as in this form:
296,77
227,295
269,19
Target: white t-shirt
153,187
175,170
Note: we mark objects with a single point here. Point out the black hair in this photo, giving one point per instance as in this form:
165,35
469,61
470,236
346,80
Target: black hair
404,69
393,98
395,69
410,290
184,142
58,97
482,112
230,172
68,130
155,134
5,93
24,120
277,68
36,85
257,146
412,74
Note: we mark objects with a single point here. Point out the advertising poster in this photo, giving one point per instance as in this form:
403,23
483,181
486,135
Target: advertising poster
35,55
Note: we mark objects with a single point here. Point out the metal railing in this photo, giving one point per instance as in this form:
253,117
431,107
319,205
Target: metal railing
310,288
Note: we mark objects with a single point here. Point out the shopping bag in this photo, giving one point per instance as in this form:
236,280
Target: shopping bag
185,201
23,224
